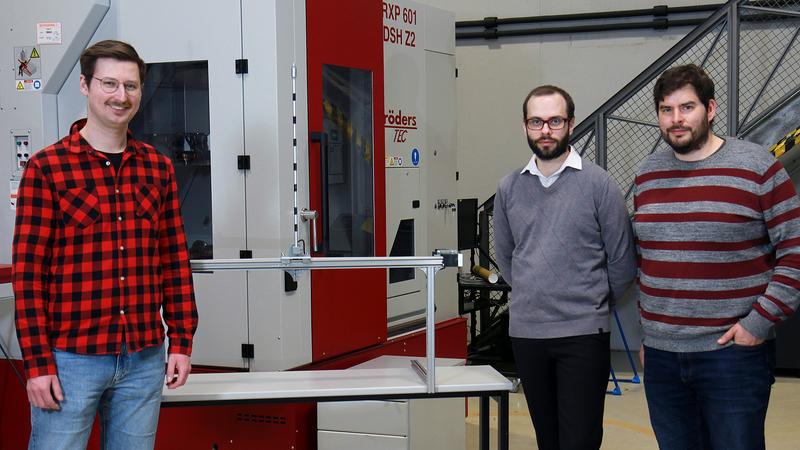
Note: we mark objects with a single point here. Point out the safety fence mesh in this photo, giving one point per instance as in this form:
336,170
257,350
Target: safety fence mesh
768,43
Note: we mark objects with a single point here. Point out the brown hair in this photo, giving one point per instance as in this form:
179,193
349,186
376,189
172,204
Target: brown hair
678,77
549,90
121,51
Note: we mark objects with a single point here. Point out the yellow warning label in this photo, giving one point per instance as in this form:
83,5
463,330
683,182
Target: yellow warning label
20,87
34,53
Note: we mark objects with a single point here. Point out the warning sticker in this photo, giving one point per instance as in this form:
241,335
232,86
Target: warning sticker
12,198
28,85
48,33
28,69
28,63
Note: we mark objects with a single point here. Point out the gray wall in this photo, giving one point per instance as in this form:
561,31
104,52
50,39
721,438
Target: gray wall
494,77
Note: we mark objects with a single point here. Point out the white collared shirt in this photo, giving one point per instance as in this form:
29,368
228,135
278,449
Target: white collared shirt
573,160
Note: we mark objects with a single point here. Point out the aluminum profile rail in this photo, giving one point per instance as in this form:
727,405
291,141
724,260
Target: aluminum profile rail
303,263
428,264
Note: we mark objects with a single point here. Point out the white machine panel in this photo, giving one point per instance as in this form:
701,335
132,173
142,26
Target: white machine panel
274,40
337,440
239,114
406,287
419,73
212,34
440,170
216,345
371,417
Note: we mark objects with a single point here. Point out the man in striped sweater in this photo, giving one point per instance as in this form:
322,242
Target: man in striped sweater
718,230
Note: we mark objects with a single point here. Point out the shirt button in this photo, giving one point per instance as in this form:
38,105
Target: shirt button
116,190
122,278
108,163
122,311
119,218
122,248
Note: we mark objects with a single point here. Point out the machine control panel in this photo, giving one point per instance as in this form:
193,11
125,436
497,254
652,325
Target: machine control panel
21,151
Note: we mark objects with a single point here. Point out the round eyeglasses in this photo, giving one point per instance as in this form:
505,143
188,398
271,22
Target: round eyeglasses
554,123
110,85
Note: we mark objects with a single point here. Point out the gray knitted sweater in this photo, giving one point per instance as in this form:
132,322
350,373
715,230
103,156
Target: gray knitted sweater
567,251
720,244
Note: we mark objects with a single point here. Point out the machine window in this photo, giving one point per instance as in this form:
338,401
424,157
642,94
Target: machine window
348,212
174,118
403,245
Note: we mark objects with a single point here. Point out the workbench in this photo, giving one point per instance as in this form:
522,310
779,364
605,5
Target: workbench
348,385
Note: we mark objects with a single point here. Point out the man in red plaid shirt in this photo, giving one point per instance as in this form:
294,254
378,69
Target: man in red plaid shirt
99,256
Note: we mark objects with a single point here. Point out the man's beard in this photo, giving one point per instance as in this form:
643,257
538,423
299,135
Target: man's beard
561,147
698,135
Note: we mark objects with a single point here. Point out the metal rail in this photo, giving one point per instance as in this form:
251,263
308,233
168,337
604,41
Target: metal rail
428,264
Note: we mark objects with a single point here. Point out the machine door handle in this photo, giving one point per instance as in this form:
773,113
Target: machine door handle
322,138
309,214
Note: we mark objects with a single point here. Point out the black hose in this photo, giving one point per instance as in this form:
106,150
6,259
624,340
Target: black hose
13,366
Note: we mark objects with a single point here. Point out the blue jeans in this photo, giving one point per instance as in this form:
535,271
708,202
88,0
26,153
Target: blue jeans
709,400
125,388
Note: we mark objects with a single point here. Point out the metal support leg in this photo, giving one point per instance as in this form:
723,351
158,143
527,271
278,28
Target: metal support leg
430,330
483,423
616,390
635,378
502,421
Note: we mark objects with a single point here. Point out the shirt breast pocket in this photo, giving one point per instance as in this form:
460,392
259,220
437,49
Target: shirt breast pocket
79,207
148,202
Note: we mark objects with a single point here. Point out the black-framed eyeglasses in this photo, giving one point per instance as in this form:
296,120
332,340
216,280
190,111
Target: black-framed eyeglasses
554,123
110,85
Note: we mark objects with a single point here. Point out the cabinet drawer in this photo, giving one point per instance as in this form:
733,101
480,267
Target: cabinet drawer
377,417
337,440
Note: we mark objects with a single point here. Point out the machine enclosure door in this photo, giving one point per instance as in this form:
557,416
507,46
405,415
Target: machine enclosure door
345,115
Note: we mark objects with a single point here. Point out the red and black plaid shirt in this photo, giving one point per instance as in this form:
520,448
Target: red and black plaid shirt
97,253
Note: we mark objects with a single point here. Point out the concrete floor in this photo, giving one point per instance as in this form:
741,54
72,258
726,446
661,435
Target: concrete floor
627,423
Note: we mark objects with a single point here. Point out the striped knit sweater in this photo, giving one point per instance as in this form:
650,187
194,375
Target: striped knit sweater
719,243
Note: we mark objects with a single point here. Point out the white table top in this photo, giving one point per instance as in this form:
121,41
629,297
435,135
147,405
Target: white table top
399,362
319,384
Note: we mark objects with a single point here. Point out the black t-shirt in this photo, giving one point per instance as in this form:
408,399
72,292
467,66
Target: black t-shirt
115,158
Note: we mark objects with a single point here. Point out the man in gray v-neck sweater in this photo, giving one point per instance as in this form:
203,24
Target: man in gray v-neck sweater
566,250
564,243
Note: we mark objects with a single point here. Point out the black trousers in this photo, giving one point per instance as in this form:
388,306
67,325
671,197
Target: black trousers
565,382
